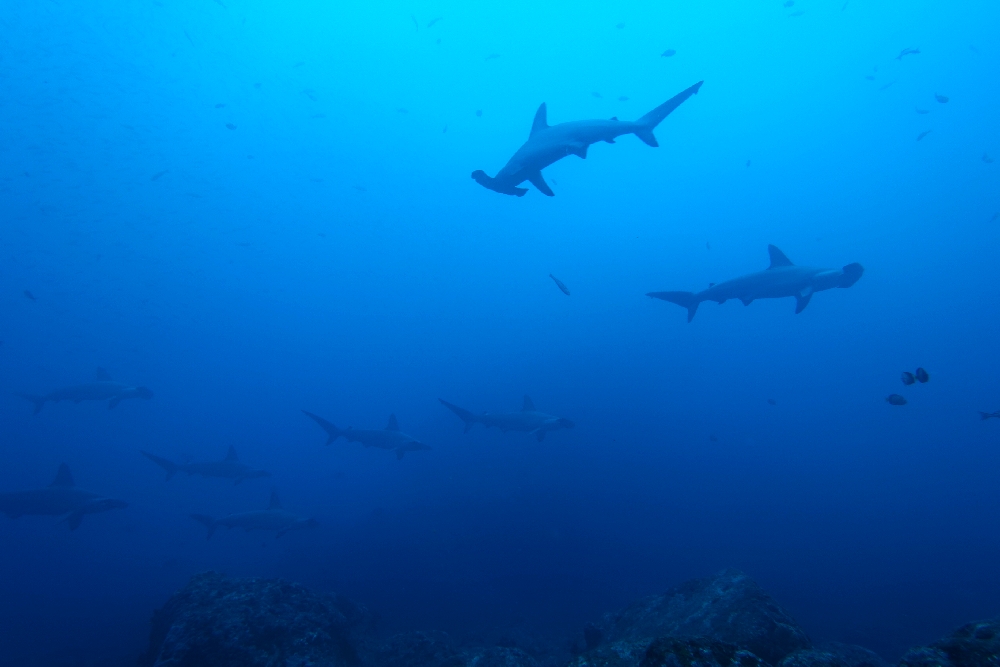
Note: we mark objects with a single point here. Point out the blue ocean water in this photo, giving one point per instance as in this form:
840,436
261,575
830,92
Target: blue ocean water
255,208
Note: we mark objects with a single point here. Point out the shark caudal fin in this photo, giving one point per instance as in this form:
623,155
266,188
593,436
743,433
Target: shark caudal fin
167,465
688,300
646,124
463,414
206,521
852,274
479,176
332,431
39,401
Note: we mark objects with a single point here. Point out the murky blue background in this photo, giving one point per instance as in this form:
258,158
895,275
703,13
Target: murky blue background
331,253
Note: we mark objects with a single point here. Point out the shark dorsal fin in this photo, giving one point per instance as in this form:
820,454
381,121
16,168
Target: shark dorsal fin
540,123
529,405
777,258
393,425
231,454
614,118
102,375
275,503
63,477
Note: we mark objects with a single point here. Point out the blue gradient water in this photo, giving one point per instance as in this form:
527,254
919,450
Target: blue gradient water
332,254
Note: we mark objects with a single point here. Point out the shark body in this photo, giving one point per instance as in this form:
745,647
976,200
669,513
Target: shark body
388,438
273,518
528,420
550,143
60,498
103,388
780,279
228,468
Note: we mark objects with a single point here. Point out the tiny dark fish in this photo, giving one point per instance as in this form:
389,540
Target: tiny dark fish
492,56
708,245
299,64
230,126
445,129
989,415
794,14
416,26
402,110
711,285
623,98
789,3
869,77
942,99
308,92
895,399
669,53
559,284
256,85
987,159
188,37
996,216
845,5
973,48
432,22
620,26
360,188
220,3
922,376
31,296
923,134
158,174
321,235
908,378
220,105
748,163
479,113
771,401
908,52
922,111
885,86
596,94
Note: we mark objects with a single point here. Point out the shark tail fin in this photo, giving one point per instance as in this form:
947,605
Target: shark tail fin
206,521
479,176
167,465
332,431
688,300
463,414
646,124
39,401
985,415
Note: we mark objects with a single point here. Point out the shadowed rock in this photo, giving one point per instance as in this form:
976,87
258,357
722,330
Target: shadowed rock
834,655
972,645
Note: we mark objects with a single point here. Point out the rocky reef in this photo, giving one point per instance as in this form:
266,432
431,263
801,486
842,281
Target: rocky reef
721,621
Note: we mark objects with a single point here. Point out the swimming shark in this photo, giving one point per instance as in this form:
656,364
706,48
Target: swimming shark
780,279
273,518
228,468
103,388
527,420
388,438
60,498
550,143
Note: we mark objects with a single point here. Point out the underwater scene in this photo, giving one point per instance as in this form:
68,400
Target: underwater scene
499,334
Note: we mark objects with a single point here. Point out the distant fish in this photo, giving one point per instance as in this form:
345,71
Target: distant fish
623,99
416,26
669,53
908,52
712,438
845,5
908,378
299,64
308,92
479,113
402,110
989,415
256,85
923,134
559,284
884,86
220,3
445,129
220,105
748,163
895,399
188,36
158,174
973,49
996,216
230,126
922,111
922,376
869,77
620,26
31,296
771,401
432,22
794,14
941,98
596,94
708,245
360,188
987,159
789,3
492,56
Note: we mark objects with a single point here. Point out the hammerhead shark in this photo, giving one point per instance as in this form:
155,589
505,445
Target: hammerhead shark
527,420
103,388
228,468
60,498
273,518
388,438
550,143
780,279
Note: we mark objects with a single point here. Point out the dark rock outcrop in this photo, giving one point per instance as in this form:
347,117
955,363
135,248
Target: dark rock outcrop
697,652
728,607
225,622
834,655
972,645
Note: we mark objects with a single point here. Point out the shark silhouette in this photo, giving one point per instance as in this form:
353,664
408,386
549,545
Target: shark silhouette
273,518
60,498
103,388
388,438
228,468
527,420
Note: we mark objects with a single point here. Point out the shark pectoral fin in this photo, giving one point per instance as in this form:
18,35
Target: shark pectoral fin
74,519
801,301
580,150
113,402
746,301
610,141
540,434
539,182
400,453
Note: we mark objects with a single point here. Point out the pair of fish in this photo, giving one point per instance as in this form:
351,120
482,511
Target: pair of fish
528,420
102,389
920,376
60,498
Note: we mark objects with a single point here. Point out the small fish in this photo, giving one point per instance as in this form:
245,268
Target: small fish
845,5
559,284
230,126
941,98
620,26
445,129
299,64
989,415
597,95
416,26
402,110
884,86
158,174
479,113
360,188
322,235
492,56
794,14
908,378
256,85
669,53
319,115
895,399
219,2
923,134
789,3
748,163
771,401
908,52
996,216
869,77
922,111
922,376
308,92
31,296
623,98
188,36
987,159
973,48
432,22
220,105
708,245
